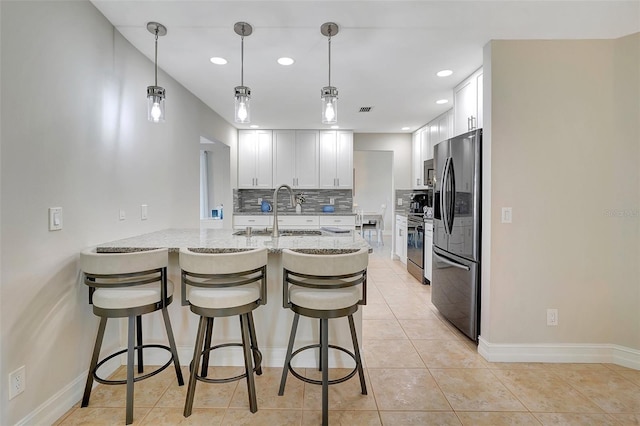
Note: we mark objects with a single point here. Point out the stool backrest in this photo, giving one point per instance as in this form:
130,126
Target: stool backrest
113,270
223,268
311,269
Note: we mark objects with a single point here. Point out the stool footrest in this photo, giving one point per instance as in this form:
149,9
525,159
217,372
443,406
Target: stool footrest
256,368
319,382
135,379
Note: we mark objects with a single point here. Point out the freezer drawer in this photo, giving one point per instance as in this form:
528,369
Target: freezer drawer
455,291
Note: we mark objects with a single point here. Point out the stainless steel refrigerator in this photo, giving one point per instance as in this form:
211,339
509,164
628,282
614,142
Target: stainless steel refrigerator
455,281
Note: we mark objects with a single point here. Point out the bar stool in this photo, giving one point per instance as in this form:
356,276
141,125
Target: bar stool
324,286
222,283
128,285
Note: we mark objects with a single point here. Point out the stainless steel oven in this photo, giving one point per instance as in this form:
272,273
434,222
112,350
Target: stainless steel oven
415,246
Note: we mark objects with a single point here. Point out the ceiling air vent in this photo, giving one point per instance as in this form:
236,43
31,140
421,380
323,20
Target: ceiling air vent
365,109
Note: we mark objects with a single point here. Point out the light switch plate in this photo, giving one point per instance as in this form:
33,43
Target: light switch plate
399,201
144,212
122,215
55,218
507,215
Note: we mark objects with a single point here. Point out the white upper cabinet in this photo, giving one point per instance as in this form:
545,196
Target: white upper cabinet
467,106
295,158
336,159
255,153
416,155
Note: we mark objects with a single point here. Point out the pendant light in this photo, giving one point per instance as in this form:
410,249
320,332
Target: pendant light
155,94
243,93
329,94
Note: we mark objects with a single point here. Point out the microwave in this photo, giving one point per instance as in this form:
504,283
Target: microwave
428,173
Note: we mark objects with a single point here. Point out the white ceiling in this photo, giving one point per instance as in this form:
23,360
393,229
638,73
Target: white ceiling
385,55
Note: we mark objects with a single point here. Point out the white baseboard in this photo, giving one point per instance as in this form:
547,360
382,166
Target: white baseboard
560,352
63,400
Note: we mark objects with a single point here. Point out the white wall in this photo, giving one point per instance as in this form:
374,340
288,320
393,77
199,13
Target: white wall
374,183
399,143
74,134
565,155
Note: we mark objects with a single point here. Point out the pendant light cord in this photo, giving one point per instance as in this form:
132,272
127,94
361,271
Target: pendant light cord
156,59
329,56
242,58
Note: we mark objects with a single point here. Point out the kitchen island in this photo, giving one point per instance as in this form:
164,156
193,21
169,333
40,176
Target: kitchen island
272,321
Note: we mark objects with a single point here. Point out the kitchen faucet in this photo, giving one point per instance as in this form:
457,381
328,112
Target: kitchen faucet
274,233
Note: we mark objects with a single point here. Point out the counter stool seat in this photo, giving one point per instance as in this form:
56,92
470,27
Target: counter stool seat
128,285
221,283
324,285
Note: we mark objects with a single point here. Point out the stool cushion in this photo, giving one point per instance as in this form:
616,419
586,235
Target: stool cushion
223,297
129,297
324,300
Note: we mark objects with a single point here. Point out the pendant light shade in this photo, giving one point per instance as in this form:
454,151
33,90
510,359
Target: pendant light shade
329,94
243,93
155,93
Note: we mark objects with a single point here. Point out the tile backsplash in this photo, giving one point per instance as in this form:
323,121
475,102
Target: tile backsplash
246,200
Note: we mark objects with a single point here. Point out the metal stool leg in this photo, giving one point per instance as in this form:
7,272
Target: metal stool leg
320,354
94,361
324,351
287,360
248,365
195,364
207,345
172,345
254,343
139,339
130,358
356,352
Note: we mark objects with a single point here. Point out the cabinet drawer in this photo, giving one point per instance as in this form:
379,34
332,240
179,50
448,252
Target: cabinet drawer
244,221
349,221
309,222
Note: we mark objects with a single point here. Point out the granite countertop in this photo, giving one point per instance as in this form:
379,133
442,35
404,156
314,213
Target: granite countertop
174,239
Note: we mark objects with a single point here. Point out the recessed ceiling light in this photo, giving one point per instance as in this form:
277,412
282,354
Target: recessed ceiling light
218,61
285,61
442,101
254,126
444,73
335,127
406,128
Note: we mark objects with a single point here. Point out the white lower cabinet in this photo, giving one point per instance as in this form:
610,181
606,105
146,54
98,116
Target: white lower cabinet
401,238
342,222
428,250
295,221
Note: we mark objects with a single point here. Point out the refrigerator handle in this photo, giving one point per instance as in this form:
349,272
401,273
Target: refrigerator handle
452,201
450,262
443,198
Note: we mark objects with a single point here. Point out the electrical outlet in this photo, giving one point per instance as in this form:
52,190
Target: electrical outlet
552,317
122,215
144,212
17,382
259,201
332,200
399,201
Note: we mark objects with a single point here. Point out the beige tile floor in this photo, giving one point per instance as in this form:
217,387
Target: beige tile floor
419,371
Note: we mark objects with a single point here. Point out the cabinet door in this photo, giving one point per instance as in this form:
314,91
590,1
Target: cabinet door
264,159
399,237
416,156
464,98
284,157
246,159
344,160
328,146
427,147
306,159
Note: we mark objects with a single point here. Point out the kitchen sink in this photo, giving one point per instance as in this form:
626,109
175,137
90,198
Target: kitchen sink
282,232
